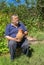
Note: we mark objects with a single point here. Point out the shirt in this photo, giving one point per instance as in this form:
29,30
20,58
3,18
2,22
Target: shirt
12,30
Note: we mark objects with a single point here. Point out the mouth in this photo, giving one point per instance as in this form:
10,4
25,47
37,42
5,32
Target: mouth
17,22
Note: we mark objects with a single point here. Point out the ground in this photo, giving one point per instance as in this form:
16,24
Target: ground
36,57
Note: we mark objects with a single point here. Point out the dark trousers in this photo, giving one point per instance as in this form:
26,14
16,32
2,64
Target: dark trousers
13,45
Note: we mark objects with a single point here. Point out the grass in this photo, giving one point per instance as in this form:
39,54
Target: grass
38,35
37,57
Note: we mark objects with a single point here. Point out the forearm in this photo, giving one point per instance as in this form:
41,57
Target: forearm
10,38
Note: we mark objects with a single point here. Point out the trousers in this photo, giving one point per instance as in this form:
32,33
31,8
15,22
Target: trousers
13,45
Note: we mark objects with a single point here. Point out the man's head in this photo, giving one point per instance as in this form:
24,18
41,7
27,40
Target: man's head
14,19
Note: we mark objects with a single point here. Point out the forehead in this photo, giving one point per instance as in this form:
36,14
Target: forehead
14,17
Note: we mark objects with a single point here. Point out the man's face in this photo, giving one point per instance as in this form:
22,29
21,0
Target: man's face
15,20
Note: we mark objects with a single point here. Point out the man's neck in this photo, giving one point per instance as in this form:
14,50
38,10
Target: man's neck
14,25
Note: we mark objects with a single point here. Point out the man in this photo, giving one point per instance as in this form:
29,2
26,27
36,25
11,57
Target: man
11,32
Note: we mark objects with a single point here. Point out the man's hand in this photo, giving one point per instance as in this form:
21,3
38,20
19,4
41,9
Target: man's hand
25,34
11,38
17,40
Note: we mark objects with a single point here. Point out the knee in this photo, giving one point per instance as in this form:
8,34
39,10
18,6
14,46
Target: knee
25,47
12,43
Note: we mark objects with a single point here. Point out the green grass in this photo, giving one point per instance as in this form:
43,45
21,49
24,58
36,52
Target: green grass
37,57
37,34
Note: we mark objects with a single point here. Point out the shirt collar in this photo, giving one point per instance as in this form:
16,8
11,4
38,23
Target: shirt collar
14,25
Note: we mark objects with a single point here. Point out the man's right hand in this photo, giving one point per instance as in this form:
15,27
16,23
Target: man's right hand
17,40
11,38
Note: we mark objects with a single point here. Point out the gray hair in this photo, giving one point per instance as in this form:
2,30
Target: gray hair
13,16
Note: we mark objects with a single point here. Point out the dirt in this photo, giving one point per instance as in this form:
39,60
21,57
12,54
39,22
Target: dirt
33,40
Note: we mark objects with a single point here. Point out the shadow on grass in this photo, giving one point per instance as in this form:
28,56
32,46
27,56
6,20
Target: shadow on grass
19,52
31,50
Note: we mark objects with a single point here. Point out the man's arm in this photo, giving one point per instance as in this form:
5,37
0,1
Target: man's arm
7,32
24,29
25,33
10,38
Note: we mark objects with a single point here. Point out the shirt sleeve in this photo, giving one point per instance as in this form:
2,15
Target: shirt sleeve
23,27
7,32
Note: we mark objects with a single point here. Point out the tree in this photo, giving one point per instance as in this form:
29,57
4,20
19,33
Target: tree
40,7
30,3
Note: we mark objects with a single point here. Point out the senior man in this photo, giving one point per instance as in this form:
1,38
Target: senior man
11,32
